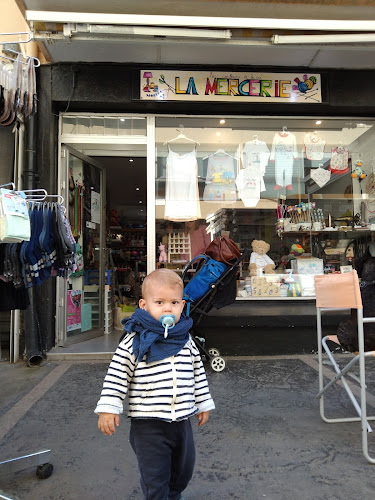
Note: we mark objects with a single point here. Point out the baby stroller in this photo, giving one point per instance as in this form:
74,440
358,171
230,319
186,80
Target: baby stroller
220,293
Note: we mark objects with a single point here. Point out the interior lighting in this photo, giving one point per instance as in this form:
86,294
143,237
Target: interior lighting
318,122
140,202
137,188
222,121
131,160
325,39
218,133
122,119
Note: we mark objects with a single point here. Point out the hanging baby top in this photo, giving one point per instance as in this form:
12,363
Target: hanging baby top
14,217
339,161
283,153
181,192
314,147
249,185
220,179
256,154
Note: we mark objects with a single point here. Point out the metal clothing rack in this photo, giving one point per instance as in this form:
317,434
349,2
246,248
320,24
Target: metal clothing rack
39,459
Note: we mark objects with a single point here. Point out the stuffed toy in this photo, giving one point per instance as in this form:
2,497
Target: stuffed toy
358,172
296,249
163,255
259,258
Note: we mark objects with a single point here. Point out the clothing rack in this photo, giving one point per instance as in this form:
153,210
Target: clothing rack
29,37
18,85
41,458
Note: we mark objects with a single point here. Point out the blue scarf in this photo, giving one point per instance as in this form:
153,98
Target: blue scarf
149,338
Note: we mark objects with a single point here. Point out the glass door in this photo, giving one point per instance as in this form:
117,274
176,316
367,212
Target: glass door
81,300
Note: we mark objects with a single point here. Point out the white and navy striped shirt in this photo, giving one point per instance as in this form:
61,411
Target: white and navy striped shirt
172,389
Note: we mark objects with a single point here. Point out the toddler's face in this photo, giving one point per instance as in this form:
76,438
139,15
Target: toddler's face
159,300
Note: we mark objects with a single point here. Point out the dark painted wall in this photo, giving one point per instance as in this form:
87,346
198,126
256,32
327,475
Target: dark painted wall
6,154
114,87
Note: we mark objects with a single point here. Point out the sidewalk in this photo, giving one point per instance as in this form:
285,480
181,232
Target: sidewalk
265,440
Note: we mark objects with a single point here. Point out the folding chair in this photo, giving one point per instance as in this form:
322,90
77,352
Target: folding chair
334,292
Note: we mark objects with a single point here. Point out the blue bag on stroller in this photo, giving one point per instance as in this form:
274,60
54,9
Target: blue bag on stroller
208,273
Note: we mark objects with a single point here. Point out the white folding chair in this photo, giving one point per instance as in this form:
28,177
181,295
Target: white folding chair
335,292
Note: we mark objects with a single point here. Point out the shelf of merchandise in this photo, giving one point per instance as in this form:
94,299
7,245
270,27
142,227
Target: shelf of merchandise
91,295
178,245
108,309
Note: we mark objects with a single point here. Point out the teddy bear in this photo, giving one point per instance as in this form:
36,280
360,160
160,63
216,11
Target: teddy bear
259,258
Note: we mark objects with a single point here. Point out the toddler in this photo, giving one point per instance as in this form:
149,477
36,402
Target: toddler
163,375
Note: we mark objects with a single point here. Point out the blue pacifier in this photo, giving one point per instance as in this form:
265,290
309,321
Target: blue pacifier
168,321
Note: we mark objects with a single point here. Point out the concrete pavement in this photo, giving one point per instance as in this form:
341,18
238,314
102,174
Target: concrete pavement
265,440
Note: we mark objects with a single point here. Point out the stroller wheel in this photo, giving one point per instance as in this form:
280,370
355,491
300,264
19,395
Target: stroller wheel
212,351
217,364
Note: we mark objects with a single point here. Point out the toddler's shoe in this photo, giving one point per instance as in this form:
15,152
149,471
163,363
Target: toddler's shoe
277,187
289,187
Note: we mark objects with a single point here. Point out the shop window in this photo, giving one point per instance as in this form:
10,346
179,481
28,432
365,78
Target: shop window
108,125
304,187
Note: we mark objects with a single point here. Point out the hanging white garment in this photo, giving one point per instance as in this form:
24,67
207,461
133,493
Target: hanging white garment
181,192
283,153
320,176
220,179
14,217
249,184
314,147
256,154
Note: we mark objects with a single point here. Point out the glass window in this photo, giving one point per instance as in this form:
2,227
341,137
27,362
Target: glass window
304,187
106,125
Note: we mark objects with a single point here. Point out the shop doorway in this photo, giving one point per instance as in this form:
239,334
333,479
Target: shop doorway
81,299
126,242
107,207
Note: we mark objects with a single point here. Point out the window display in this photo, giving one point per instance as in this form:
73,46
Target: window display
307,195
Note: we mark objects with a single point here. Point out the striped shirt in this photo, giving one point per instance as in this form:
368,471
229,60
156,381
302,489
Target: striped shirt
172,389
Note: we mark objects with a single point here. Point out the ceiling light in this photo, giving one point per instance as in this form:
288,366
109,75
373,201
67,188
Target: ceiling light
131,160
326,39
318,122
122,119
222,121
137,188
140,202
201,21
218,133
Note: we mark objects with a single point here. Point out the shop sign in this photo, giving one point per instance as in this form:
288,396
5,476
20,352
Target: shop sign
235,87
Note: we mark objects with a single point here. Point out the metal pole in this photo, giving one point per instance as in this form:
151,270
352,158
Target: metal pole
33,345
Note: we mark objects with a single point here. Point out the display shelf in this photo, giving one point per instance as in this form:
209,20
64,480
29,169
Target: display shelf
127,229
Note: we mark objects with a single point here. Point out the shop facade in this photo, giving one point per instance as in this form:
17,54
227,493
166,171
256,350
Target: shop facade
294,172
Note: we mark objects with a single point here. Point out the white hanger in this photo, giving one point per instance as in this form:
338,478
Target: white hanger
8,184
285,130
181,136
219,151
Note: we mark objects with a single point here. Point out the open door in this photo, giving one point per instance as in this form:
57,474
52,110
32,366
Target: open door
81,300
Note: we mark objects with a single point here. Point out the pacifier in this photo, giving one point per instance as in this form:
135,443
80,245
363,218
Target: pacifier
168,321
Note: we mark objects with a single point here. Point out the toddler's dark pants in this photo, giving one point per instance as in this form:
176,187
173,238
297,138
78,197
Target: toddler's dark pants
166,456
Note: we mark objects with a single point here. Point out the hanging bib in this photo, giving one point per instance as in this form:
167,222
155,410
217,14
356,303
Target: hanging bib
320,176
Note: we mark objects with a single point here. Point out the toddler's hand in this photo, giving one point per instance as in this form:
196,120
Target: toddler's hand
203,417
107,422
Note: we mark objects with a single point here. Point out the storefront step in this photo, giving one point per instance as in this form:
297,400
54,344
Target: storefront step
79,356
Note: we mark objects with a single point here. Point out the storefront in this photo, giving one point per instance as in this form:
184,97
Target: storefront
295,172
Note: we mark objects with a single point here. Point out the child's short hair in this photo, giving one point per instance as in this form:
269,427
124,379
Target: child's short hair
163,277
